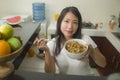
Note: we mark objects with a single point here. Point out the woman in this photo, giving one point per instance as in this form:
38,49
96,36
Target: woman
68,27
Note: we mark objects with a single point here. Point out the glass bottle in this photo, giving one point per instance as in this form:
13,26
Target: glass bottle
112,22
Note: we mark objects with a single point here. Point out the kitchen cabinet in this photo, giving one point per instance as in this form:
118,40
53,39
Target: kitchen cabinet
111,54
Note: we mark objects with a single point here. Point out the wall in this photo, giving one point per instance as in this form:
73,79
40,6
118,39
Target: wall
91,10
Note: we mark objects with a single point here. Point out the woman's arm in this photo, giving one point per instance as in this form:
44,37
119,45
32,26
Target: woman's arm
49,60
98,57
49,63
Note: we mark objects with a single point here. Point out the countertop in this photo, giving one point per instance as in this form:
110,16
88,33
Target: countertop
108,34
93,32
27,75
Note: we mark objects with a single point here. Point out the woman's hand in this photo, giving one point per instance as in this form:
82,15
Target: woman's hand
96,55
89,51
41,44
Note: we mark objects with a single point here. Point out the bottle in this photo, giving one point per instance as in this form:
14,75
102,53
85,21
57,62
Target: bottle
112,22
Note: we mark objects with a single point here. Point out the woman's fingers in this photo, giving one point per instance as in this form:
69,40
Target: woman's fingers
35,41
41,43
90,48
84,57
88,52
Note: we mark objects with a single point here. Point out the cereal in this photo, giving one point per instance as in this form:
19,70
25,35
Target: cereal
75,47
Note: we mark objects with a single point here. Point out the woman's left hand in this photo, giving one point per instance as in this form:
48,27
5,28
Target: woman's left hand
89,51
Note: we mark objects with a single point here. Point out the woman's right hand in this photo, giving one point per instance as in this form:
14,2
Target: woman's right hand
41,44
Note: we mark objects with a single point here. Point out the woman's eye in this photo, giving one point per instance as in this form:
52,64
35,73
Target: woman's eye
66,21
75,22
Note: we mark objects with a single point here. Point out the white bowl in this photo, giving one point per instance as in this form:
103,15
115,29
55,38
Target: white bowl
76,55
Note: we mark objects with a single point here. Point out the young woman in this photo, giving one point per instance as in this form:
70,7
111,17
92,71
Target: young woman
68,27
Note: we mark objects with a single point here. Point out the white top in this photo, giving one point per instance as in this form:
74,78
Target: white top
67,65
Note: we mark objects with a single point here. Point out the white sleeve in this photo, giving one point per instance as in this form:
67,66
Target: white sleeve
51,46
89,41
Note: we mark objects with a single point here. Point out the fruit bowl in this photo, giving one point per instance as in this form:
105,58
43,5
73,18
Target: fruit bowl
6,67
11,55
75,48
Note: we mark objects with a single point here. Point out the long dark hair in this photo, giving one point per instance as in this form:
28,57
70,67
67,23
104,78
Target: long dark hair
59,35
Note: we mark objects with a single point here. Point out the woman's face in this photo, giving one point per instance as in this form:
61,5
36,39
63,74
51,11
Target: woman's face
69,25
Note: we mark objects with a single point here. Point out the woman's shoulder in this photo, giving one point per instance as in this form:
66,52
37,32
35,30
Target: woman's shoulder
85,36
51,41
89,40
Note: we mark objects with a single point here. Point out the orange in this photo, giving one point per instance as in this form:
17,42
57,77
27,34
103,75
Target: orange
4,48
31,52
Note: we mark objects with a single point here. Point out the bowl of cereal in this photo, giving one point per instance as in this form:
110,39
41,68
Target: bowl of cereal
75,48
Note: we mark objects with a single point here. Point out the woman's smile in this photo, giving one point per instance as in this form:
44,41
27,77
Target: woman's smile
69,32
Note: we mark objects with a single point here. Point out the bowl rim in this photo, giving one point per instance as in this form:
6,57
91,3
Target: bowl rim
12,53
84,42
78,54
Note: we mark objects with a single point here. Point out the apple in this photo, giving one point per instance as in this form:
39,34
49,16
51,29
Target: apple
7,31
15,43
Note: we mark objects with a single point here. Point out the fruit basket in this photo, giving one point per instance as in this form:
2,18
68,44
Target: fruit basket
6,66
11,56
10,47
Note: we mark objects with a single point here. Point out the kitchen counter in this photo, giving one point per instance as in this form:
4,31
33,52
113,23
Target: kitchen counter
92,32
104,33
27,75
